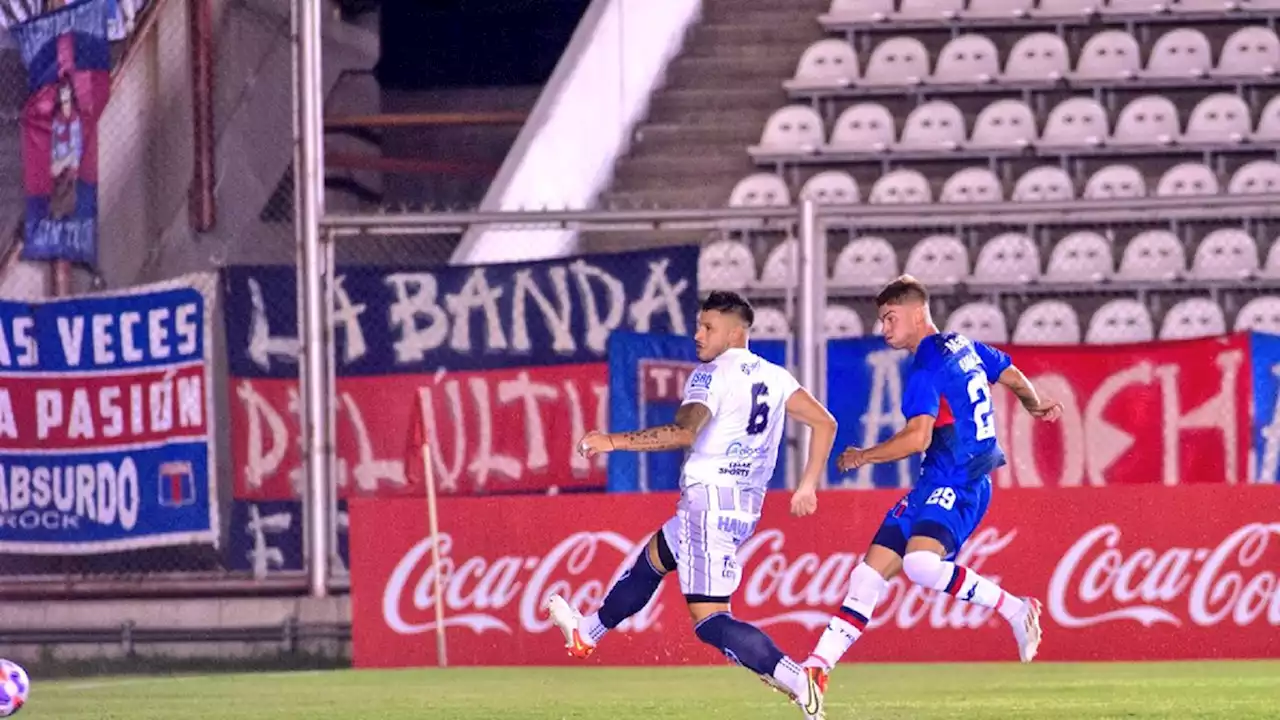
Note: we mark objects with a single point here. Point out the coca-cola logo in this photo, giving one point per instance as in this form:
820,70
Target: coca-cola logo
779,587
1097,582
477,590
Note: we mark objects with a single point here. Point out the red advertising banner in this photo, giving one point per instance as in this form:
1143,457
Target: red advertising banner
490,431
1168,412
1133,573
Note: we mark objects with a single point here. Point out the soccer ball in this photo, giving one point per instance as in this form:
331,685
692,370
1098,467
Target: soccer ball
14,687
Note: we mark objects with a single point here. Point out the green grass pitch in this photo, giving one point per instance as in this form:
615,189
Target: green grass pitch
1181,691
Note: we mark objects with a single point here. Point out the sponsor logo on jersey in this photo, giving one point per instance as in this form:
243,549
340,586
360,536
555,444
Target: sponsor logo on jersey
700,380
744,452
738,469
748,368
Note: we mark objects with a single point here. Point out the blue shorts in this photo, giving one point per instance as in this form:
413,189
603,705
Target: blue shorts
947,509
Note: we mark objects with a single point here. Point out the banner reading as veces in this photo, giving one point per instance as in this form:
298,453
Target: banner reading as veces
105,426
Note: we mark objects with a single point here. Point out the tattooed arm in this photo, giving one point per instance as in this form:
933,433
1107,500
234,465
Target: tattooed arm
690,419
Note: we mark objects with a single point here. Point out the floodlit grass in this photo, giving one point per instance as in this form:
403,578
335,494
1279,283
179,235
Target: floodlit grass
1235,690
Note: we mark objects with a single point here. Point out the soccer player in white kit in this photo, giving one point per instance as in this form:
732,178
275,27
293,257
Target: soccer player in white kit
735,406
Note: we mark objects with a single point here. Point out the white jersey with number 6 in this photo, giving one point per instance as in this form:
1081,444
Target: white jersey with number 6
747,396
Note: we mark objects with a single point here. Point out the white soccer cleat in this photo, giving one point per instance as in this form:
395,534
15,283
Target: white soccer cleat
815,706
567,619
1026,629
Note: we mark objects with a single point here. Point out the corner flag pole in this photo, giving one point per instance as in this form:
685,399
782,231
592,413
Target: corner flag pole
433,527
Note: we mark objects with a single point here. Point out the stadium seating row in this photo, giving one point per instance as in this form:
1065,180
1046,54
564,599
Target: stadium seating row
938,126
832,64
844,13
979,184
1010,258
1055,322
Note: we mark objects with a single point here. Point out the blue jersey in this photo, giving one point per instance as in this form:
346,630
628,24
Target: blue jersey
950,379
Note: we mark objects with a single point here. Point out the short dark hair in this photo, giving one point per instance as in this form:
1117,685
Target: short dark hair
904,289
730,303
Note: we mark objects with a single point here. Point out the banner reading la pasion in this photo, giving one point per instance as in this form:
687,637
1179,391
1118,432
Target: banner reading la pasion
1125,573
105,428
500,368
1163,412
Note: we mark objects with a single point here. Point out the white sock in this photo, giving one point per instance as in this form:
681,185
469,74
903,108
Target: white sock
591,630
844,629
791,676
929,570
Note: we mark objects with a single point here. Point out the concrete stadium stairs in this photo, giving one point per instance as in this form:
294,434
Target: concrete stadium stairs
727,80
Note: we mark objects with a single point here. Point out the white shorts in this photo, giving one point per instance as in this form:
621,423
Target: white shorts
710,525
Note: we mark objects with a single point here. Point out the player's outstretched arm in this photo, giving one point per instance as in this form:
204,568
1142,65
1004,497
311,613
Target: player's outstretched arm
1021,386
690,419
803,407
911,439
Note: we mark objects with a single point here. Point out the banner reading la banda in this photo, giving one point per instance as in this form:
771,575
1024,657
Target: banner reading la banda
105,440
499,368
1200,581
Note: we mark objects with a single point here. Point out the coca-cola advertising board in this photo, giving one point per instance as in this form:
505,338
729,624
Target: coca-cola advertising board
1130,573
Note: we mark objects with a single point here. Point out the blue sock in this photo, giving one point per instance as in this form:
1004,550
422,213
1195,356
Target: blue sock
751,648
627,597
741,642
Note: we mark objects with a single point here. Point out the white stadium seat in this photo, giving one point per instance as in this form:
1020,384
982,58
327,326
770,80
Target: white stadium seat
1153,255
1048,322
792,129
770,324
840,322
1148,120
826,64
1003,124
1261,314
968,59
940,259
1120,321
1109,55
928,9
1131,7
976,184
1256,177
1225,254
1249,52
998,9
1271,268
1083,256
979,321
863,128
1193,318
1066,9
1008,258
1188,179
779,270
864,262
1219,118
726,265
1116,182
903,186
935,125
858,11
832,187
1075,122
1180,53
761,189
1038,56
1046,183
1268,128
897,61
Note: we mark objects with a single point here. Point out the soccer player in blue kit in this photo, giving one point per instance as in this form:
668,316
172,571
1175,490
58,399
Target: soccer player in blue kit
947,404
